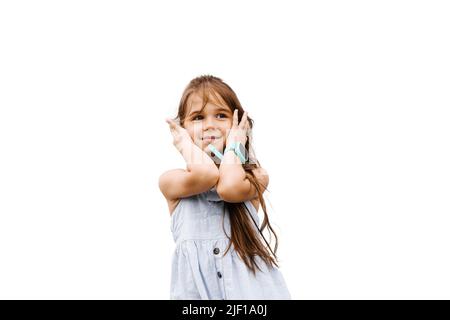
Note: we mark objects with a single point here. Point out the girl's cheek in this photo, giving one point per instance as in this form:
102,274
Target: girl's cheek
191,133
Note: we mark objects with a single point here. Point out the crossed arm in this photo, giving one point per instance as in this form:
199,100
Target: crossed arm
230,181
202,174
233,185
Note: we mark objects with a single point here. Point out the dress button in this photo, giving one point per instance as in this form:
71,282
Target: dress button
219,274
216,251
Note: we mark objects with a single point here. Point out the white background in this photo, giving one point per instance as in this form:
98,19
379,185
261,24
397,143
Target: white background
351,107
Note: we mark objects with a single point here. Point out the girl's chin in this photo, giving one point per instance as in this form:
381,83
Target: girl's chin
206,148
215,143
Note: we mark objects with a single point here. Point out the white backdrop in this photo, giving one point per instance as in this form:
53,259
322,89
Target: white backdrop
351,107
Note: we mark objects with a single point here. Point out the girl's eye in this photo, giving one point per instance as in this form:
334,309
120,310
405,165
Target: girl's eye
223,114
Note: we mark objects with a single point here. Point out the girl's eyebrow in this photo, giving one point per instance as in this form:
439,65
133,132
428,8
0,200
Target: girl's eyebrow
224,109
217,110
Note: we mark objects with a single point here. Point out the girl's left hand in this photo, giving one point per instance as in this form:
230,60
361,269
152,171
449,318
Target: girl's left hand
238,132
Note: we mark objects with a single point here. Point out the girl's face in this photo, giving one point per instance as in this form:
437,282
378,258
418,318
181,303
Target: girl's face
215,120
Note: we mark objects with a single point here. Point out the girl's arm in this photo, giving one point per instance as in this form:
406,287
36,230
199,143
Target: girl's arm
196,159
231,171
201,173
233,185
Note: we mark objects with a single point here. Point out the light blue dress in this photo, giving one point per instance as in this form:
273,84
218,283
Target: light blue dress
199,269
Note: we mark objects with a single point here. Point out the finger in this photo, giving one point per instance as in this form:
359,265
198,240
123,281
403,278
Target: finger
247,130
235,118
247,126
243,120
172,124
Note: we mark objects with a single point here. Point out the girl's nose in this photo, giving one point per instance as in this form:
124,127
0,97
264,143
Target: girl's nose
209,123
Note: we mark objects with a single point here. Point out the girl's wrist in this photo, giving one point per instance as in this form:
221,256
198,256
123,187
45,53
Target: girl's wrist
184,144
194,155
238,155
231,141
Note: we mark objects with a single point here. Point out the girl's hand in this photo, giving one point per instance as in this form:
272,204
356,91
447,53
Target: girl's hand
238,132
180,134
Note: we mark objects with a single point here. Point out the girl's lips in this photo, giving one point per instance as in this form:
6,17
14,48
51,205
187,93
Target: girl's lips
210,138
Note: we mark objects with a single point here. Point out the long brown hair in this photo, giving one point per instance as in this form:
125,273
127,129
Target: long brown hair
244,237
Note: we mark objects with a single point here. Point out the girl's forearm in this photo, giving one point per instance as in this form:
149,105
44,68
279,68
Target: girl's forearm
231,170
196,159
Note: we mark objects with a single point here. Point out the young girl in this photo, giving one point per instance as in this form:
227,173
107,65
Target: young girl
220,250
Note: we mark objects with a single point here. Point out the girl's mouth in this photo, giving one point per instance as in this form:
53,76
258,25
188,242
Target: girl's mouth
209,138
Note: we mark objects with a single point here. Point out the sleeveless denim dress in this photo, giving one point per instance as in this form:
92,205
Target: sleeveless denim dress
200,271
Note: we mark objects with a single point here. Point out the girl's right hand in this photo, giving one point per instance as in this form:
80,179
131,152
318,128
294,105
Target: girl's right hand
180,134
